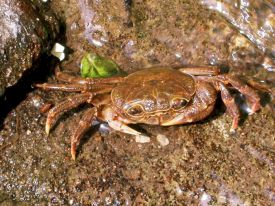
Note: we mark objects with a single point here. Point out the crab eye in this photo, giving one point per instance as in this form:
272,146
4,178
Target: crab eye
178,103
135,110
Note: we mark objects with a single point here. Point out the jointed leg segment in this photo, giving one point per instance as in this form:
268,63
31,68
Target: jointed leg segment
84,125
251,96
64,87
201,71
75,87
230,104
211,74
65,106
65,77
90,87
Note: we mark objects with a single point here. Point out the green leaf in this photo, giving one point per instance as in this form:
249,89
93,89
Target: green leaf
93,65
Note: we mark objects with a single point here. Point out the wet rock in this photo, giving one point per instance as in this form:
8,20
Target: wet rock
27,29
199,165
157,33
260,32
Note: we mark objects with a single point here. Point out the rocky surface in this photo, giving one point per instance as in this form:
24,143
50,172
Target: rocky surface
199,164
28,29
202,162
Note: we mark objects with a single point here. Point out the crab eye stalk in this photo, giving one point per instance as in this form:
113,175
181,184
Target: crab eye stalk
178,104
135,110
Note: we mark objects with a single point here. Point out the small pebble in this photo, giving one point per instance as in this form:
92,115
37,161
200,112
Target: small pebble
163,140
58,51
142,138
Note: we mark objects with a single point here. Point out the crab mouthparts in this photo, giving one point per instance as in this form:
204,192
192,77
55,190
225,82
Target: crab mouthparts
177,120
155,120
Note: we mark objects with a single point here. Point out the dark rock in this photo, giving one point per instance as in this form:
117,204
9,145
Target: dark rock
27,29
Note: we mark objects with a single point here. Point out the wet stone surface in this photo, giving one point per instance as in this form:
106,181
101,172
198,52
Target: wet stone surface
27,30
202,160
201,164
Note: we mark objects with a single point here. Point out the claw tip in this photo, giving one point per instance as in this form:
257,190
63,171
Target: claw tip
73,156
47,129
233,131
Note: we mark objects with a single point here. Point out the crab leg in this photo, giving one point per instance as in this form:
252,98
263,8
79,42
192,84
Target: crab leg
230,105
260,86
252,97
65,106
64,77
63,87
74,87
207,70
84,125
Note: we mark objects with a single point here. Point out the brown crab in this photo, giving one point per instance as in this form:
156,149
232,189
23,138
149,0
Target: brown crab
157,96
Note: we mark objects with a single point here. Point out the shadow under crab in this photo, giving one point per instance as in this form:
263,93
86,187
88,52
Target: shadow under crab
156,96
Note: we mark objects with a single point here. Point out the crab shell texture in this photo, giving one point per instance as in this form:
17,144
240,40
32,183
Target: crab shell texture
162,96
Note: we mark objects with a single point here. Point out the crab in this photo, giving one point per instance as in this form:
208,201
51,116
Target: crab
156,96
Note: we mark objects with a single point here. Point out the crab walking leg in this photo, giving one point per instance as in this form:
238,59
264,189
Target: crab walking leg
83,126
207,70
231,106
64,77
252,97
65,106
63,87
260,86
74,87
